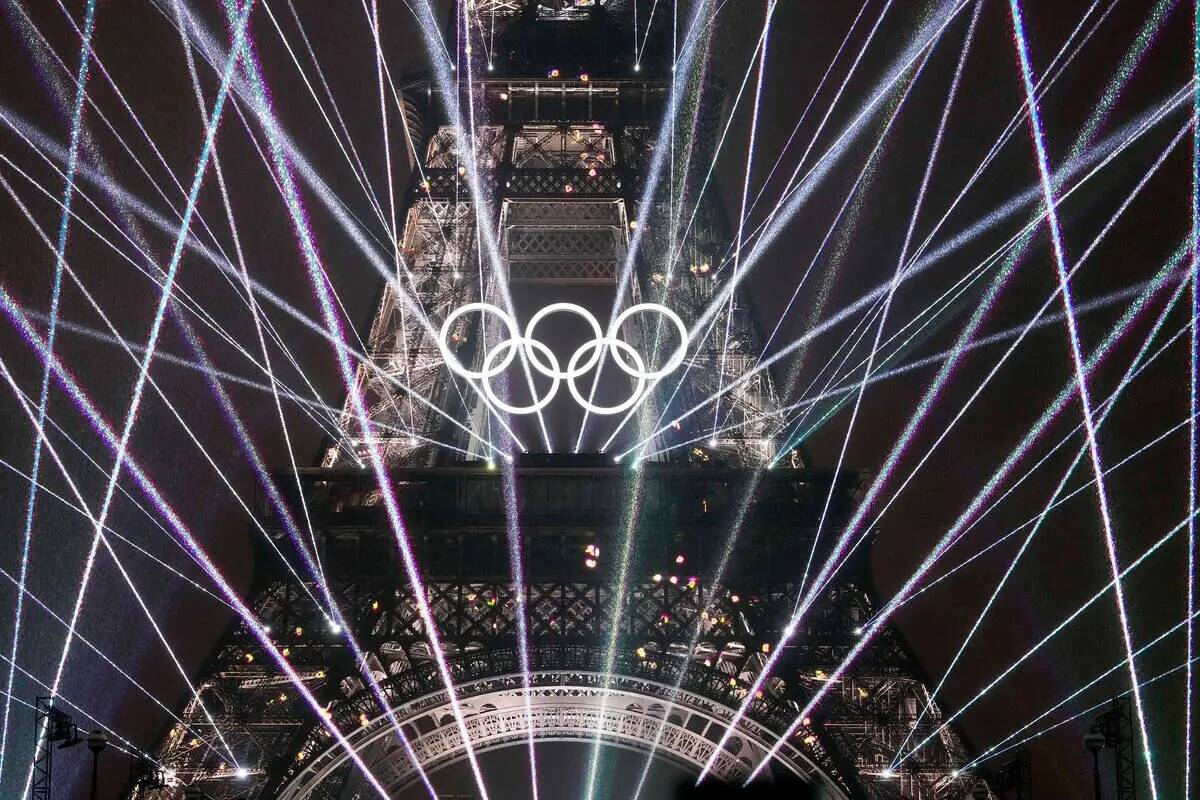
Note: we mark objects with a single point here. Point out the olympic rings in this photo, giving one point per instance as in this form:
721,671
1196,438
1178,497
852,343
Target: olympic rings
585,358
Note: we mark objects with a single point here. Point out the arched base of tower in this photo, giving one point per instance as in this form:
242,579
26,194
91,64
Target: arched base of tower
631,713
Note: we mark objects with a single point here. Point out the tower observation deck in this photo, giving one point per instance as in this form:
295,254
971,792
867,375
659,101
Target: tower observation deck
558,171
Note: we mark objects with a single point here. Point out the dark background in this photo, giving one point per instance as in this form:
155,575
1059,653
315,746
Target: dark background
1065,564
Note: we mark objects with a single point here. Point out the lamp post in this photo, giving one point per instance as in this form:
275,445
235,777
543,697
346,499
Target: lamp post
1095,741
96,742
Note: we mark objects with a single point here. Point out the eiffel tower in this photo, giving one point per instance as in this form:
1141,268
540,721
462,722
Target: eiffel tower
568,126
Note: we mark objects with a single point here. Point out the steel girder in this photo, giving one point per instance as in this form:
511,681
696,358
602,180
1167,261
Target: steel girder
456,525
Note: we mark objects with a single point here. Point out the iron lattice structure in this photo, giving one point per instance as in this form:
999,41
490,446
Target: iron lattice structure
457,525
1120,769
563,162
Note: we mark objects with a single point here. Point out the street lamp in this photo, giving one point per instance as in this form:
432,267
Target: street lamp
1095,741
96,742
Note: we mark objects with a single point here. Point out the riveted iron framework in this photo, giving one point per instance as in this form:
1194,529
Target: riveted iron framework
569,507
562,165
563,159
44,715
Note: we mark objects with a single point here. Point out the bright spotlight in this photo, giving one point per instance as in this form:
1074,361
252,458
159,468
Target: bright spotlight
243,773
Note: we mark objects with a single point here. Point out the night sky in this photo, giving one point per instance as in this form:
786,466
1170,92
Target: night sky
1063,566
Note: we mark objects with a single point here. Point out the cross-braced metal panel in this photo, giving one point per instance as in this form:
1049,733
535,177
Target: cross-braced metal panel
563,241
724,355
859,725
675,629
404,381
565,213
444,150
592,182
252,705
567,10
500,8
579,147
557,244
683,239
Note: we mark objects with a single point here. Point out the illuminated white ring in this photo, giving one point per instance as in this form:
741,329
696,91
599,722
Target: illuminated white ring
452,361
630,361
640,375
530,345
571,308
672,363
